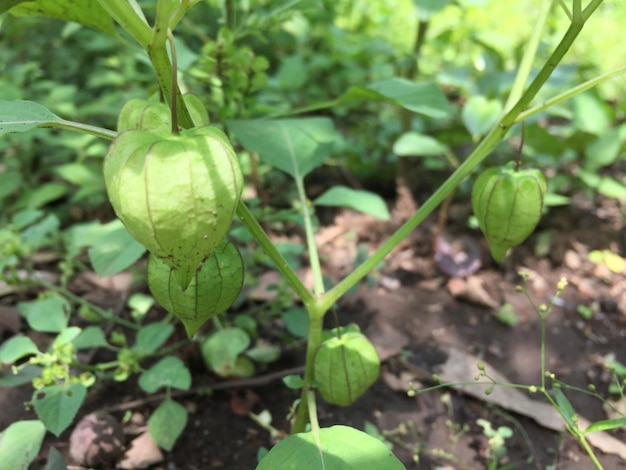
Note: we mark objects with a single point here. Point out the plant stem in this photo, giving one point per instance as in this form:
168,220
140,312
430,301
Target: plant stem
281,263
530,51
483,149
314,259
83,128
124,14
570,93
314,339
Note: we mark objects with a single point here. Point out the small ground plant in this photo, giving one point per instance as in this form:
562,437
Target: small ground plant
175,182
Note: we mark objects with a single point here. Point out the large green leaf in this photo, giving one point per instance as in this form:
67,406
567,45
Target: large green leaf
57,405
22,116
424,98
340,448
20,443
86,12
295,146
364,201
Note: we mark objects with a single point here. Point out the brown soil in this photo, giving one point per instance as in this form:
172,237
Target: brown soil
416,314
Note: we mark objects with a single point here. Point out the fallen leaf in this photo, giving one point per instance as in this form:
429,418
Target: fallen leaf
143,452
461,367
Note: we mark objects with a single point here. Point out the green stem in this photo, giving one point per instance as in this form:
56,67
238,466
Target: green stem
314,339
478,155
124,14
543,352
570,93
316,268
483,149
84,128
161,64
281,263
591,8
530,51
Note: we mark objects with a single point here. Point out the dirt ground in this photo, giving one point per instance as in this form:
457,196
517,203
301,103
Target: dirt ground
418,317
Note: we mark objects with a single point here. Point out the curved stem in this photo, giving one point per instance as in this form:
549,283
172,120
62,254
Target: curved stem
281,263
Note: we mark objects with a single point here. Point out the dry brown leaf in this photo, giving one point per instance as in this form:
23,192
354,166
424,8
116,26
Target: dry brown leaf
143,452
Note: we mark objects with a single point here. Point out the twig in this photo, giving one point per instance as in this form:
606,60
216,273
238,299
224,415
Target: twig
259,381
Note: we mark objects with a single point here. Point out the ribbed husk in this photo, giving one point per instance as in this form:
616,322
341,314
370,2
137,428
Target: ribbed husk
176,194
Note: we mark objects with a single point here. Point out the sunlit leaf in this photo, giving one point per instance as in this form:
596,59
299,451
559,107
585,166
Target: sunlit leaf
341,448
21,116
295,146
86,12
20,443
363,201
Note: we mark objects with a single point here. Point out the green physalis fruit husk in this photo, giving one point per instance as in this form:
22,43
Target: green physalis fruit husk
345,368
154,116
176,194
213,289
508,206
138,114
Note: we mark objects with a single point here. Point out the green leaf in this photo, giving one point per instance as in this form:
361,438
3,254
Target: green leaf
42,195
565,406
297,322
606,425
480,114
427,8
341,448
167,422
25,375
295,146
151,337
91,337
363,201
603,151
65,336
17,348
22,116
57,405
221,349
414,144
49,315
20,443
55,460
168,372
294,382
612,188
424,98
589,114
86,12
115,251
